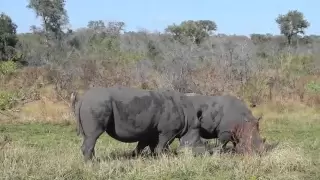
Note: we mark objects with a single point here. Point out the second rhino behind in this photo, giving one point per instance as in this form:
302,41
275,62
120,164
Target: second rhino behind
151,118
229,119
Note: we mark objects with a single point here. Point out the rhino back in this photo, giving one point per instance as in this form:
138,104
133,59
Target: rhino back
95,100
180,108
141,107
220,113
233,106
135,114
150,109
201,101
235,112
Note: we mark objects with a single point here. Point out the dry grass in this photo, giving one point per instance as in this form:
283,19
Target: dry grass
49,151
45,111
32,163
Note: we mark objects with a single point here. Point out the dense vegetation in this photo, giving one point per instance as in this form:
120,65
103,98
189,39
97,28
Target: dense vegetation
39,70
186,57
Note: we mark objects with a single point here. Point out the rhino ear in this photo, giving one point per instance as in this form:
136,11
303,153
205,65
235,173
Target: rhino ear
199,114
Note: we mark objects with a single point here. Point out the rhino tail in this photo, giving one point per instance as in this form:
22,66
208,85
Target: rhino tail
73,100
78,118
76,109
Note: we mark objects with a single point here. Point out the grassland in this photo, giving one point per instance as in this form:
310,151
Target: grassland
37,131
39,150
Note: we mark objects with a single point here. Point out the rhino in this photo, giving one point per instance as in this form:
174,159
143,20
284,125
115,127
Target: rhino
152,118
229,119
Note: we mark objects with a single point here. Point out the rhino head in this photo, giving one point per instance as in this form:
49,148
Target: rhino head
249,138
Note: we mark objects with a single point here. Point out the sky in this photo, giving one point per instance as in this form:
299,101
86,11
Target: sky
231,16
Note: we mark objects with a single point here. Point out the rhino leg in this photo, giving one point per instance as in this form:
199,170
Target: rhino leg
152,147
224,138
234,146
223,146
164,141
139,148
89,143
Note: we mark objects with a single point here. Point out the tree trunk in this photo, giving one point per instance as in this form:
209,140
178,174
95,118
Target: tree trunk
289,39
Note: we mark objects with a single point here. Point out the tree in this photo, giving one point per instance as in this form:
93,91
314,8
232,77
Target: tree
8,38
197,31
53,15
96,25
292,24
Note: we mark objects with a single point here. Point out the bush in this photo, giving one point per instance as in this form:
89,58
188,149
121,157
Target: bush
8,100
313,87
8,67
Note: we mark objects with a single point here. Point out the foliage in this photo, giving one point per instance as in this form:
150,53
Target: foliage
260,38
96,25
8,67
8,38
253,89
313,87
8,99
53,15
292,24
299,65
186,58
195,30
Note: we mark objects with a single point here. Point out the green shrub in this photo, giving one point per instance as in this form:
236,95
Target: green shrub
253,90
298,65
8,99
8,67
313,87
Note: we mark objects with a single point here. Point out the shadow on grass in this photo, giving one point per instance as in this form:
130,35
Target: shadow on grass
146,154
210,149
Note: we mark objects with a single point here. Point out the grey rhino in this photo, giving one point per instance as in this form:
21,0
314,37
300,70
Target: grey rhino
151,118
229,119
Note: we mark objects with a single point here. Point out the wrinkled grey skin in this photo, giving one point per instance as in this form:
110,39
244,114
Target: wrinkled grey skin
151,118
228,119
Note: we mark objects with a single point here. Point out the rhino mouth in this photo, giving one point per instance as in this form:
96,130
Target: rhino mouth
266,147
269,147
259,149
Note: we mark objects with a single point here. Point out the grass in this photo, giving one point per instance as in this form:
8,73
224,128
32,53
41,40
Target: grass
38,150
